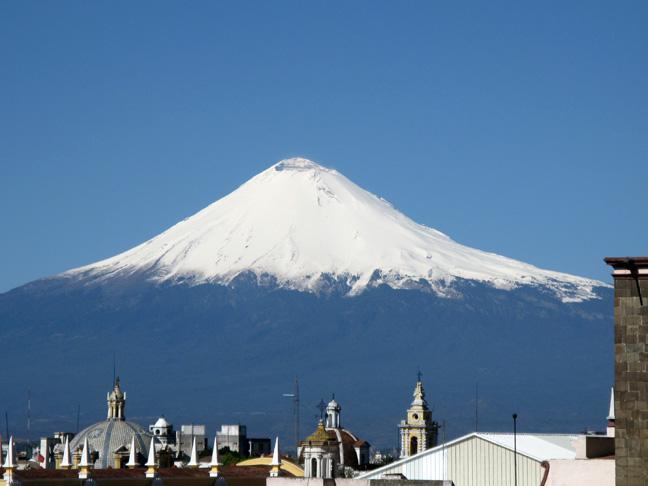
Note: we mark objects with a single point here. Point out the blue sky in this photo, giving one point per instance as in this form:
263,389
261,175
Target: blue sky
515,127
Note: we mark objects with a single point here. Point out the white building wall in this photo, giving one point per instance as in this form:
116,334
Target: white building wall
477,462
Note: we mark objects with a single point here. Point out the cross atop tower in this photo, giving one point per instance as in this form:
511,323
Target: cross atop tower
321,406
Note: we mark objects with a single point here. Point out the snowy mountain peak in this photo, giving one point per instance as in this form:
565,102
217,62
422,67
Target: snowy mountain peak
303,224
298,163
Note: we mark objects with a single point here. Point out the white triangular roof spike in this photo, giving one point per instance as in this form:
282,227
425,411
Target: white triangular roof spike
214,459
10,460
276,461
611,411
193,460
85,457
151,454
131,456
66,453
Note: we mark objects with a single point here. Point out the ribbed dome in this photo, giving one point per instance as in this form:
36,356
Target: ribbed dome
110,435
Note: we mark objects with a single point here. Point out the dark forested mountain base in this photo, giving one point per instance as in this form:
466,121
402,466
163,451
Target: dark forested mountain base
213,354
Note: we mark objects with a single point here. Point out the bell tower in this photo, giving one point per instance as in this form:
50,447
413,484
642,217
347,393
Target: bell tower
116,402
333,410
418,431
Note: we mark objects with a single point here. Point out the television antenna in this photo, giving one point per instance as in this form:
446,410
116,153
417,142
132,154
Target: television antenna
295,399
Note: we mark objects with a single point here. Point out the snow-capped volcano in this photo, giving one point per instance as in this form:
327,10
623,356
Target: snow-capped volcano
302,224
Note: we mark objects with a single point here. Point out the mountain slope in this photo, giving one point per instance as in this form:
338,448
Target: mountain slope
211,320
304,225
218,354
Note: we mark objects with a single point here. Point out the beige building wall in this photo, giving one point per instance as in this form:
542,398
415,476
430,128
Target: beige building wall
581,472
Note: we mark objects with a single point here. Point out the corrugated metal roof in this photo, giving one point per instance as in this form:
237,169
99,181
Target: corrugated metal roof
539,447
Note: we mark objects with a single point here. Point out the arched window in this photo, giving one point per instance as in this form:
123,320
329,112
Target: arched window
413,445
314,468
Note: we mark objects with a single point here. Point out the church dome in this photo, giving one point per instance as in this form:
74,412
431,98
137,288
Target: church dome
320,436
109,436
333,405
113,434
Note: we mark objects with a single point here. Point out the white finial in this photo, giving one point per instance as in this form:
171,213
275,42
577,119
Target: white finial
10,460
275,454
85,459
214,464
65,463
151,454
84,463
10,464
214,459
151,465
131,457
276,460
611,411
193,460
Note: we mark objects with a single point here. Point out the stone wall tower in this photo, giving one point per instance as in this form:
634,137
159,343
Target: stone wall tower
418,432
630,412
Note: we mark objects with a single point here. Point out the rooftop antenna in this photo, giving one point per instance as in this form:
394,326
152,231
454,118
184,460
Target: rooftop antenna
419,374
295,399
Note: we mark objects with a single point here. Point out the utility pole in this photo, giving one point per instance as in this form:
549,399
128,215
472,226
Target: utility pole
515,449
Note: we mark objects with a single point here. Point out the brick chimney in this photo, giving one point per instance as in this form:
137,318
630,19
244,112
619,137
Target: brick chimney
630,368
